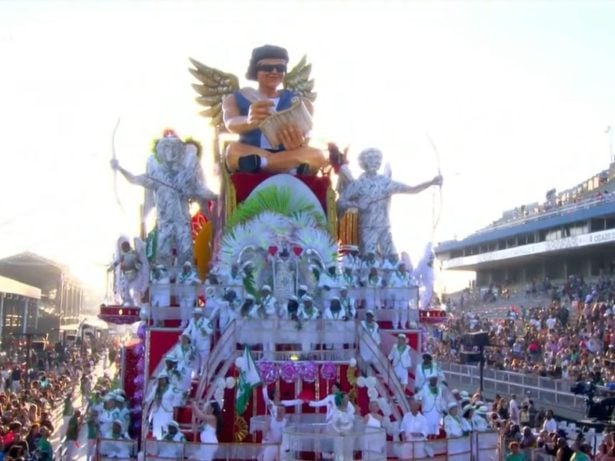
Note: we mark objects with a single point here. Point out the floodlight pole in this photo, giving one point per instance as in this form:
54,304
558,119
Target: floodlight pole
609,131
481,350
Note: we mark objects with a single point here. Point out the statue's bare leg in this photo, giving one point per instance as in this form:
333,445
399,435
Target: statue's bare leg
387,247
164,246
279,162
183,243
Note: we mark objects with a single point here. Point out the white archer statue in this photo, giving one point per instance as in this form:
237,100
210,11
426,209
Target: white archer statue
131,271
172,180
371,194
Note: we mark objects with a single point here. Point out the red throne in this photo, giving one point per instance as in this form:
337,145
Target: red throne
246,182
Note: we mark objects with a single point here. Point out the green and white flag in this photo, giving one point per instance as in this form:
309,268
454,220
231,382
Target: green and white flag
249,377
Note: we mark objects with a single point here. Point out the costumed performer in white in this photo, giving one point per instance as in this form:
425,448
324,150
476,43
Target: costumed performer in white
329,284
433,403
107,415
389,264
268,303
329,401
458,444
291,310
189,283
414,429
487,440
335,312
115,445
467,424
371,194
185,353
342,423
308,312
349,278
122,408
129,265
348,302
374,441
400,291
160,292
423,274
163,398
176,378
173,179
373,331
401,359
267,309
273,433
173,442
211,418
372,287
273,400
200,330
227,309
427,368
233,280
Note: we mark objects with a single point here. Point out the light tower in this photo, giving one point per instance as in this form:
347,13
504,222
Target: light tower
609,132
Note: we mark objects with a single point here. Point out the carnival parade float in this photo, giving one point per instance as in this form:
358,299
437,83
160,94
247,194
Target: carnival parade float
270,320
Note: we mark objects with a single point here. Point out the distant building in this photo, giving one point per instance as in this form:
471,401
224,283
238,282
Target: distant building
19,309
58,296
571,233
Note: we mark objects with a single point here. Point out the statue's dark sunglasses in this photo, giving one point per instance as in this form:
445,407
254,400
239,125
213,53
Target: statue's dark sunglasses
280,68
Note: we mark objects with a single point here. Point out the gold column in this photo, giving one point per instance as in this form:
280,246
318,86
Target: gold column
348,228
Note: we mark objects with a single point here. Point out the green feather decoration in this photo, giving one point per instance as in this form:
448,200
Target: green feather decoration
276,200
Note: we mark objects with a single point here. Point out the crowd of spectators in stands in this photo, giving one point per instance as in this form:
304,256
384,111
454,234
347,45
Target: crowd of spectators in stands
571,337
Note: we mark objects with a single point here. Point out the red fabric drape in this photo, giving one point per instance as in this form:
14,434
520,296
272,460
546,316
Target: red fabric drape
160,343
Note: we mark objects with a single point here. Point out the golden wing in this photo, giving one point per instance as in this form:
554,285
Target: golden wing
214,86
298,80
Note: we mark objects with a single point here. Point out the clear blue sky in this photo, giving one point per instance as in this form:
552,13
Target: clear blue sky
516,96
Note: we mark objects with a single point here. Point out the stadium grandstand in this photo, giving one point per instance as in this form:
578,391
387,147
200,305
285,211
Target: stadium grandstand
570,233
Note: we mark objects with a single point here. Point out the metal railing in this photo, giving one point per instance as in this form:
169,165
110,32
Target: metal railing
548,391
303,442
120,449
163,450
160,308
308,332
557,211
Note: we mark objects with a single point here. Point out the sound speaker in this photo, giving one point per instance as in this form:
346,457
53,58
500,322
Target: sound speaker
478,339
470,357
